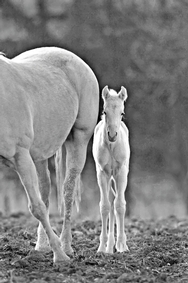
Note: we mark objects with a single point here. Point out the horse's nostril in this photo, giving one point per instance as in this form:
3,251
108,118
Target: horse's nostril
112,138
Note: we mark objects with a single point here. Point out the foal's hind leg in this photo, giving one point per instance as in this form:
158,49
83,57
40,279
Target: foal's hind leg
45,187
76,148
28,175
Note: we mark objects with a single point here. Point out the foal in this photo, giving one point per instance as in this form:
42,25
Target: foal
111,154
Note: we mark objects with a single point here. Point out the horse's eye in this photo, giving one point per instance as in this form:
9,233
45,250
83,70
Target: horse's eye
122,114
104,112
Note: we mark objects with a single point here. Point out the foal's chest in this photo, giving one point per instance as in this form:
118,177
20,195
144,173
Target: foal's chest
112,161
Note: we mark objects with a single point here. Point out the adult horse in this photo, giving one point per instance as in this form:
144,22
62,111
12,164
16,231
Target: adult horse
111,153
48,97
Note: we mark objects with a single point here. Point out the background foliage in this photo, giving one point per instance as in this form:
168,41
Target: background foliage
141,44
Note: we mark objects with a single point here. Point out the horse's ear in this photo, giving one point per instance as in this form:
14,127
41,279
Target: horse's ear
123,93
105,92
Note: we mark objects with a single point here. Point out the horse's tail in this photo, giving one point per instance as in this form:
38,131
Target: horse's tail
60,168
59,178
77,193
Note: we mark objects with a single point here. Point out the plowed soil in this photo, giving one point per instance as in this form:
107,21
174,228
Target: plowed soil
158,253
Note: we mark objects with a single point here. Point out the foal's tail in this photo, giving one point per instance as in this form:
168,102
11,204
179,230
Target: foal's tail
60,168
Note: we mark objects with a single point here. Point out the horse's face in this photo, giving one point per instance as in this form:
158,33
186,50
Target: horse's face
113,111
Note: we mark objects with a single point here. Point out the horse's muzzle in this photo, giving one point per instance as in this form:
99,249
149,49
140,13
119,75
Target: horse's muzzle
112,138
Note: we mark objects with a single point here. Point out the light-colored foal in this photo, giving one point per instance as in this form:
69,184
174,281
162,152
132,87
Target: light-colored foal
111,153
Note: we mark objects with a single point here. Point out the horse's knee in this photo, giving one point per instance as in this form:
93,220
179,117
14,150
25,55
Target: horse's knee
120,206
38,209
104,208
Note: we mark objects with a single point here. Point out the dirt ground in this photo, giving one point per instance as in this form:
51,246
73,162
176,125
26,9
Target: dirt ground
158,253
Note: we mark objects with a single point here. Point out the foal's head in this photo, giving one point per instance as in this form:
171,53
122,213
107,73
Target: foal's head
113,111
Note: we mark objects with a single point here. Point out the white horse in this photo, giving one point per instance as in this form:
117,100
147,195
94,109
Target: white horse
48,97
111,153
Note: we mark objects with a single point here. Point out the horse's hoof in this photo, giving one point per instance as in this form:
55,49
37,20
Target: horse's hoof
122,247
42,248
60,259
61,265
109,250
101,249
68,250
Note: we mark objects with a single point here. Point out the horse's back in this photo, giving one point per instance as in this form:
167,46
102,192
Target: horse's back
66,73
58,60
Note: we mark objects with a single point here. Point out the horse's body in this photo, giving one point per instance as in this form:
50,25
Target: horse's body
111,153
48,97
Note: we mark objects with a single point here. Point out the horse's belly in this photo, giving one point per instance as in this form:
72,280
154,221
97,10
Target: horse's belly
49,138
44,150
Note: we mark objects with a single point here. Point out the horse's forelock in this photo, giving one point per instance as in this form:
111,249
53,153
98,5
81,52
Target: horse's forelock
113,92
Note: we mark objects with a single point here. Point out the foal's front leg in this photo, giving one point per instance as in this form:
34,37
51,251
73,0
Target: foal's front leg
111,239
120,208
103,181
